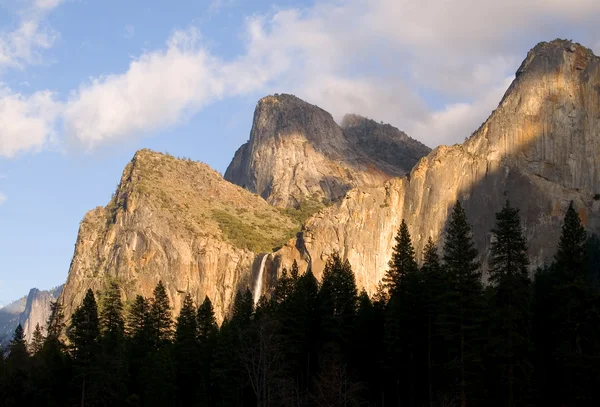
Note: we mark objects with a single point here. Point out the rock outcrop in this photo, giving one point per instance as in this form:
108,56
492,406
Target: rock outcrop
177,221
297,152
37,309
182,223
28,311
540,149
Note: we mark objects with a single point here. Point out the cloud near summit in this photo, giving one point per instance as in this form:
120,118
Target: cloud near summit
434,69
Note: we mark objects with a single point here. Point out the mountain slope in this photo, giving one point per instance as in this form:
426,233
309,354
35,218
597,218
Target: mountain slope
177,221
297,152
540,148
28,311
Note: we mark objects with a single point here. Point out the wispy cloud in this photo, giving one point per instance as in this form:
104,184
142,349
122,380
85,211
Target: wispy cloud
2,198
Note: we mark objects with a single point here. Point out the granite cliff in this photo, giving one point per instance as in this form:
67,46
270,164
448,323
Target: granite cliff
540,149
28,311
177,221
297,152
181,222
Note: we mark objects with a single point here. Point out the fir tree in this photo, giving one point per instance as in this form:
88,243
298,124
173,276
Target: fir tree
56,322
207,341
139,331
112,324
338,301
509,332
160,315
37,340
186,353
113,365
462,317
17,348
84,335
434,286
403,259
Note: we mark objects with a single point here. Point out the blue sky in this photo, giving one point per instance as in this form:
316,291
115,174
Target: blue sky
85,83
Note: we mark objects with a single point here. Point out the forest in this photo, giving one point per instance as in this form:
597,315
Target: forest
432,335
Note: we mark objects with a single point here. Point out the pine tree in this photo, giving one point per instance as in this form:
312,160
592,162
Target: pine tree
338,299
37,340
139,341
113,365
434,287
462,318
160,315
510,320
207,340
17,348
574,317
56,322
403,259
186,353
84,335
112,324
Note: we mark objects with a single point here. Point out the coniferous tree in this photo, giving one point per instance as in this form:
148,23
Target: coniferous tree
160,315
17,347
56,322
139,332
84,337
434,286
338,301
187,353
570,328
462,317
509,320
403,336
403,259
113,364
208,331
37,340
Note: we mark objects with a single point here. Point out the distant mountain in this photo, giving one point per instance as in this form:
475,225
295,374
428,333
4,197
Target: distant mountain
297,152
311,188
27,311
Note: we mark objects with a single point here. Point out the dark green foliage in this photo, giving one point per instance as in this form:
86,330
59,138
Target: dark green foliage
403,259
338,301
429,337
84,337
160,316
461,320
113,362
187,353
37,340
567,321
509,347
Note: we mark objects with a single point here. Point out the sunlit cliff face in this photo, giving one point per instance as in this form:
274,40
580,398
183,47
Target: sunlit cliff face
540,149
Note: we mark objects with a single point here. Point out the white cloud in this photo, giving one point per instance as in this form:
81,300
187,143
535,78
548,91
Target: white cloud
2,198
21,47
26,122
434,69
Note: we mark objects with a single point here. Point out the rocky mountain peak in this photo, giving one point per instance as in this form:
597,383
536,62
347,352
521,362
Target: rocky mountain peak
547,122
297,152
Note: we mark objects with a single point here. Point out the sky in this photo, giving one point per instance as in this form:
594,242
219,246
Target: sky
86,83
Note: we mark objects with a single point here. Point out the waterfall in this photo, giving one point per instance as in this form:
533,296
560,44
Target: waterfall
259,279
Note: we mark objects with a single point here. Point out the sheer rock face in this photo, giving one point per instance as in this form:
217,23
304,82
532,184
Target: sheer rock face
37,309
28,311
180,222
296,151
176,221
540,149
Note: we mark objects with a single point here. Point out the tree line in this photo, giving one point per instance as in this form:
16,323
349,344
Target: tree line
431,335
